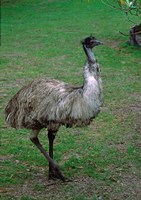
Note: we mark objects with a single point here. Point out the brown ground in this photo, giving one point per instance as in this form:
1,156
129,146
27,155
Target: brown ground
129,187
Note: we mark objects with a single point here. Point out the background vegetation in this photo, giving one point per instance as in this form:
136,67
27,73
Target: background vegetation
42,38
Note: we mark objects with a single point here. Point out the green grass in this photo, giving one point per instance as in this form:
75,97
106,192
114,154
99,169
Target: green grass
42,38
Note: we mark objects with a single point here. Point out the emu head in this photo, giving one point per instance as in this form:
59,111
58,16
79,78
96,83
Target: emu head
91,42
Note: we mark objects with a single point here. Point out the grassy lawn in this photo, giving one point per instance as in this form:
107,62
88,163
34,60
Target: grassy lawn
42,38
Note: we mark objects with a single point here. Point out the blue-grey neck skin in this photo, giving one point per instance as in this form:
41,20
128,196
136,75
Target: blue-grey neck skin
90,54
92,79
91,67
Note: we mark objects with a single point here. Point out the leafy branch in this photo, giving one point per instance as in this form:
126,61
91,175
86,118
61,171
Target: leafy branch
132,7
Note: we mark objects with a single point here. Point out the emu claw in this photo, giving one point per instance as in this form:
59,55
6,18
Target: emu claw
55,173
52,176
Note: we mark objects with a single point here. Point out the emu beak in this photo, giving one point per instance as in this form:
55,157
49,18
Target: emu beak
97,42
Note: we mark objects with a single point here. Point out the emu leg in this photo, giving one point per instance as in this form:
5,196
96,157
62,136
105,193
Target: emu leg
51,137
55,167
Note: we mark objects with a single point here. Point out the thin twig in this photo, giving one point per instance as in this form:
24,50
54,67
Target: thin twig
123,33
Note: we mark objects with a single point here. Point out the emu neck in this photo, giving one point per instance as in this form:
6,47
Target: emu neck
90,55
92,87
91,68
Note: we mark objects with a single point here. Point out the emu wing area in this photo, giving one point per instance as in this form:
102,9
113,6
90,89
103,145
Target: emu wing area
46,103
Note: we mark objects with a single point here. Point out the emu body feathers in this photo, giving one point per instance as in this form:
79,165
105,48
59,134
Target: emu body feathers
49,103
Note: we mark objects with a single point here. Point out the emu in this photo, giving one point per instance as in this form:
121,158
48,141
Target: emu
49,103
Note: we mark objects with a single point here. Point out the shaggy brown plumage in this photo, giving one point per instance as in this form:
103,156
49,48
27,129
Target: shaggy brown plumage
48,103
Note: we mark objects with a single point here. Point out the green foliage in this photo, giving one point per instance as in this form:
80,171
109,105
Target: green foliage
127,6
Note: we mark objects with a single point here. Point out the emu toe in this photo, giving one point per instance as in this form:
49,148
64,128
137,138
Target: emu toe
55,173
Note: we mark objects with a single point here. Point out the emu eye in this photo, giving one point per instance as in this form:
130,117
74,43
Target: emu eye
98,69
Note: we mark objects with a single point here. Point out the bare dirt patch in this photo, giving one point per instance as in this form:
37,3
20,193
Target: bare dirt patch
39,187
131,186
113,44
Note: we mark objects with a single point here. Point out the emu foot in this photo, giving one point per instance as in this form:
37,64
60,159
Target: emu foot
55,173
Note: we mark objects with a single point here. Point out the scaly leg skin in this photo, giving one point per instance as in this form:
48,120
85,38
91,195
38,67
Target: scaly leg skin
53,174
51,137
53,171
53,166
